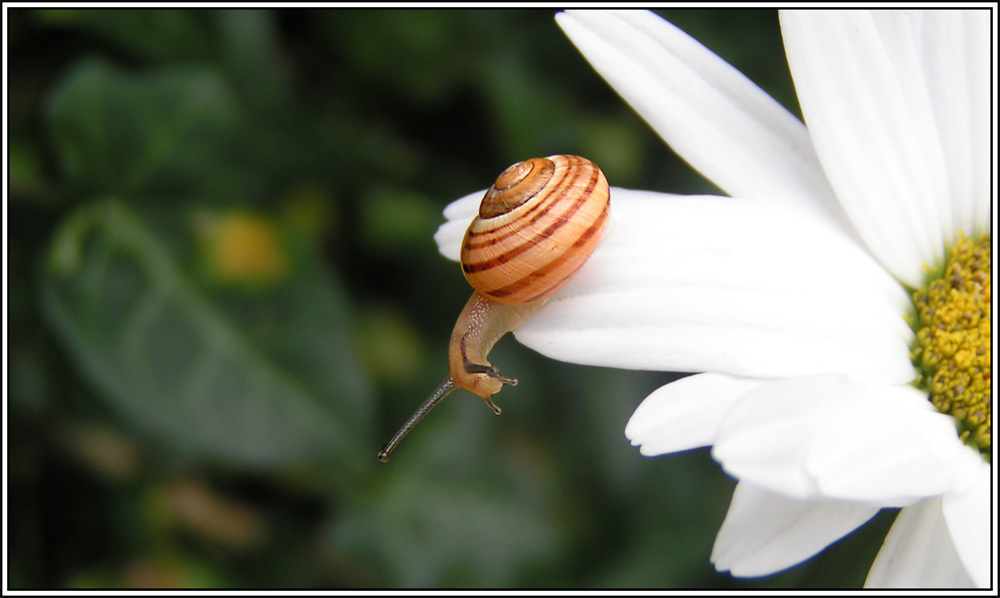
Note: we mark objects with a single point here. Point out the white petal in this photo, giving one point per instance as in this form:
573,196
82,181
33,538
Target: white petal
685,414
705,283
980,52
834,437
766,437
459,213
765,532
719,121
864,96
918,552
955,51
889,445
968,517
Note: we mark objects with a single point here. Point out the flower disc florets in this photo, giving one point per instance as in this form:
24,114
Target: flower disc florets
953,346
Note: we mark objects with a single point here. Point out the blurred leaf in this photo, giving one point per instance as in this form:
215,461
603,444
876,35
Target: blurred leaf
251,55
150,34
29,388
528,108
613,145
145,572
195,371
410,66
23,166
122,133
441,535
391,346
394,221
308,211
459,508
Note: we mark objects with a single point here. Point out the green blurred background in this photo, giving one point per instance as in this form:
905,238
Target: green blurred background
224,297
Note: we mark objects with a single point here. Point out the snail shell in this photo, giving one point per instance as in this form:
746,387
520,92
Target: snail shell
536,227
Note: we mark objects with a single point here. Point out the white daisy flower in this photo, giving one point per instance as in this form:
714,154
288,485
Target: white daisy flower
837,302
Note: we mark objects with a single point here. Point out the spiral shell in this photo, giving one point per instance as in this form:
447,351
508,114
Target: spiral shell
536,227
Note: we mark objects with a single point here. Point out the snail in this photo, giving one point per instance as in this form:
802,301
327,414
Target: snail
536,227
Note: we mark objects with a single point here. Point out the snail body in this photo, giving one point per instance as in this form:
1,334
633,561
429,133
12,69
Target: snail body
536,227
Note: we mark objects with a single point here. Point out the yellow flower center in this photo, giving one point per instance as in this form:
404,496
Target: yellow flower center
952,351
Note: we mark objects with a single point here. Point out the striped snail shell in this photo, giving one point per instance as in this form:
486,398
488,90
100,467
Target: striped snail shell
536,227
